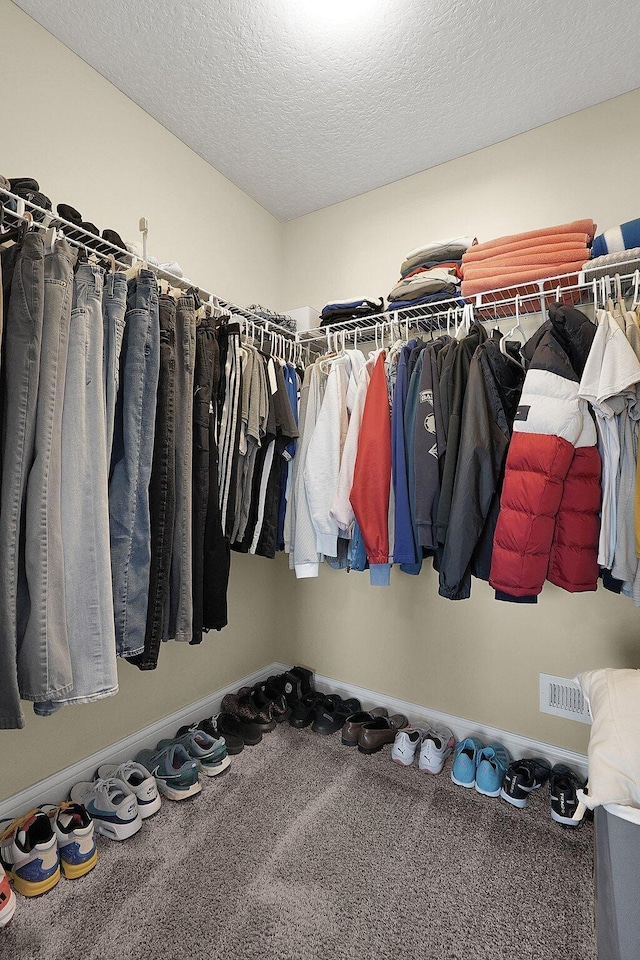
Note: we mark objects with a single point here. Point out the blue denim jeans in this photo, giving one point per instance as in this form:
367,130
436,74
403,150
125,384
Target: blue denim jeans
22,345
85,512
114,306
131,461
178,625
44,663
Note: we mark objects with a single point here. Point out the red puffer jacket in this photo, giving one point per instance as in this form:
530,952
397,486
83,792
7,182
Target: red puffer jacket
549,510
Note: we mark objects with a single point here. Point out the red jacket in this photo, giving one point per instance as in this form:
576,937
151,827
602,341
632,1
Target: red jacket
372,475
549,510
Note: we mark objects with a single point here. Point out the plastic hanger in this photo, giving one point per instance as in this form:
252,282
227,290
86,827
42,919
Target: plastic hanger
516,328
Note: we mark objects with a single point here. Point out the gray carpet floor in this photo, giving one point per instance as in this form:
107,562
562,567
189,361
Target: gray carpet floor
308,850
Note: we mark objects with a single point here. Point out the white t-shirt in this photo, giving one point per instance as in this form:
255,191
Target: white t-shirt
607,383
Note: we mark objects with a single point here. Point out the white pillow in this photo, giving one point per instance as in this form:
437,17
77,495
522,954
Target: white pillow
614,745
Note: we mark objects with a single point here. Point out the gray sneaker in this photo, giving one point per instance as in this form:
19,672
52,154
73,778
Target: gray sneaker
437,743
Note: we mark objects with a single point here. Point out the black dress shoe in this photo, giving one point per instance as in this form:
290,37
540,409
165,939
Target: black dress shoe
251,733
235,744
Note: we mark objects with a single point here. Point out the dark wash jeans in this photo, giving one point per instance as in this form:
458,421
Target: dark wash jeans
207,363
131,460
162,490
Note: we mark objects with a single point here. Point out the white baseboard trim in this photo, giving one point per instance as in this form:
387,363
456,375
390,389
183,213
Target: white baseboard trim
517,745
56,788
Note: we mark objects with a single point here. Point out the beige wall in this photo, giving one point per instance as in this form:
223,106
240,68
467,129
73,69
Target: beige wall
478,659
90,146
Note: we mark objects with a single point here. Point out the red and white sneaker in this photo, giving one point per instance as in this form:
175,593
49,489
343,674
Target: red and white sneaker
7,899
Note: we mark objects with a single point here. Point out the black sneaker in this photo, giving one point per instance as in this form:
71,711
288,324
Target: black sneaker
235,744
332,714
566,809
522,777
305,709
250,733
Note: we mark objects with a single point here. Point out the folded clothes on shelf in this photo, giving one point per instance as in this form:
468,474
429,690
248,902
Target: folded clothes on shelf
354,309
428,281
615,239
436,252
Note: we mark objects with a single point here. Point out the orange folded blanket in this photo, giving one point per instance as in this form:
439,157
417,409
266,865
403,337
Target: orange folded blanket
512,279
489,268
558,242
576,226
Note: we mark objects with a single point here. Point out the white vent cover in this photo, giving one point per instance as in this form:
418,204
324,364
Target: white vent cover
563,698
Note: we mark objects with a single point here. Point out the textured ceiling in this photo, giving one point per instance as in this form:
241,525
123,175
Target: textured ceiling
303,103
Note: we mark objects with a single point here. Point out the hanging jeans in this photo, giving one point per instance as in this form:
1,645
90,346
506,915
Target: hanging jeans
85,510
178,625
131,460
207,362
114,305
217,555
44,661
162,490
22,343
229,432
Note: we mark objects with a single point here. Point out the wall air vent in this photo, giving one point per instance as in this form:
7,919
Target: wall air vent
563,698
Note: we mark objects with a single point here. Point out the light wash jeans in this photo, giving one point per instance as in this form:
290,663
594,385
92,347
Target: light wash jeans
131,461
85,511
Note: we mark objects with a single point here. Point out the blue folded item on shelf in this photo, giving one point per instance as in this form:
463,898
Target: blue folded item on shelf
362,305
616,239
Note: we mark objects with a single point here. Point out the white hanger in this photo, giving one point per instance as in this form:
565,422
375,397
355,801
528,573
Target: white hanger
516,328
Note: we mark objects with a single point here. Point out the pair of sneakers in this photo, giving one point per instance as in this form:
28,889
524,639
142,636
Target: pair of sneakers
525,776
481,766
37,847
176,763
433,744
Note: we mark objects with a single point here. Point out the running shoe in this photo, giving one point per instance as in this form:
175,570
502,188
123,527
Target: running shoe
210,754
7,899
465,759
29,853
139,781
522,777
437,744
405,745
175,771
493,761
211,725
111,805
75,836
564,783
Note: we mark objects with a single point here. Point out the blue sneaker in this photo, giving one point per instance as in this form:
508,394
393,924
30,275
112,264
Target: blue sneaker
493,761
175,772
210,752
463,769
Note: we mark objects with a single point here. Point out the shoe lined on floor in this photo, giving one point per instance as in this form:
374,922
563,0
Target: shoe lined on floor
7,899
29,853
111,805
266,694
465,756
305,709
564,783
228,724
139,781
351,728
332,714
406,744
210,753
243,707
374,734
522,777
75,835
234,744
437,744
175,771
493,761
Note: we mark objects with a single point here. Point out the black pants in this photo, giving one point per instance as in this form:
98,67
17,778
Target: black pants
162,490
206,368
217,556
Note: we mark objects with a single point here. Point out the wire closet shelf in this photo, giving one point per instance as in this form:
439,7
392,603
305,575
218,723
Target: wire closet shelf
588,287
44,220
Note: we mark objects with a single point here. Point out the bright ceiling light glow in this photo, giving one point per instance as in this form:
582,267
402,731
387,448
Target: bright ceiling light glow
335,11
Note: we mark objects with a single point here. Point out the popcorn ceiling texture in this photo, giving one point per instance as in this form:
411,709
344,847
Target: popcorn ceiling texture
302,108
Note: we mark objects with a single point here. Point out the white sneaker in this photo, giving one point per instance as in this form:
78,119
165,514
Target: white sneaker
112,806
405,745
437,744
140,782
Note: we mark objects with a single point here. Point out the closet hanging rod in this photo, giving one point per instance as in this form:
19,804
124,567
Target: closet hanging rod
493,305
83,240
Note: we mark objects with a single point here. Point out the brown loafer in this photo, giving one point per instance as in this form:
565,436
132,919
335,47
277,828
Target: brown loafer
374,734
351,729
